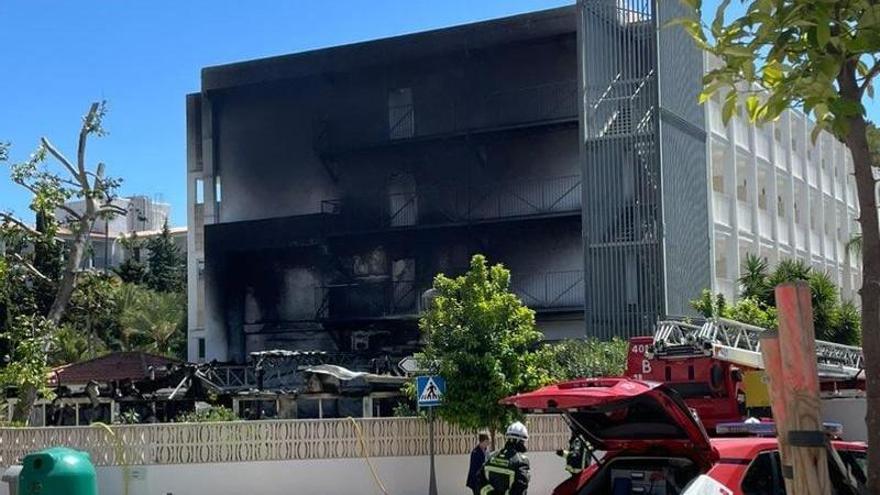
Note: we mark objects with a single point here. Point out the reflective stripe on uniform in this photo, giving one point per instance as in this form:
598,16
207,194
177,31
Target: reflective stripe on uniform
500,471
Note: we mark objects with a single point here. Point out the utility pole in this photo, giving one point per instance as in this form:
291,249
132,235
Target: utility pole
432,484
790,362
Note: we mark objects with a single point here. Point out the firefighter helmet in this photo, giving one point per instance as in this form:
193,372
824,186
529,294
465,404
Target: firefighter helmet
517,431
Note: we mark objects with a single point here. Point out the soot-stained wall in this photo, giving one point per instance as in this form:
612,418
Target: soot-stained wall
333,220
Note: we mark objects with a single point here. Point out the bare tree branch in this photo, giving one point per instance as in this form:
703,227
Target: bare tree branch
31,268
99,176
83,137
73,213
11,219
111,208
60,157
869,77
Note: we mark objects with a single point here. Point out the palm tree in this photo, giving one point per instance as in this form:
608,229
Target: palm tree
156,321
754,280
128,301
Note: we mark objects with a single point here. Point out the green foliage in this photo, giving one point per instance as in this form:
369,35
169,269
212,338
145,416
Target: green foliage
587,358
130,417
213,414
26,337
131,271
833,319
154,321
167,266
483,340
819,55
746,310
754,278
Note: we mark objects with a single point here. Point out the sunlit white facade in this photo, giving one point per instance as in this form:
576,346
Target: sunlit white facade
777,194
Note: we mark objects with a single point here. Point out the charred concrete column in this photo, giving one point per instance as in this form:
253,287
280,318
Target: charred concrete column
207,334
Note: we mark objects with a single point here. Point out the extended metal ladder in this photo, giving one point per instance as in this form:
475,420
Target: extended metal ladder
740,343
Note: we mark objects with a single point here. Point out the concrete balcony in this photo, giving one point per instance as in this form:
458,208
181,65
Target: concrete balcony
782,231
744,216
765,224
762,144
800,236
722,209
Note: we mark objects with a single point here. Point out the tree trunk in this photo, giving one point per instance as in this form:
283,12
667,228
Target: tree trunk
857,142
27,394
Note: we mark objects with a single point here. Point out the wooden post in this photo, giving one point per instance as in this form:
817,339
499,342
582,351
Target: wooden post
770,351
805,461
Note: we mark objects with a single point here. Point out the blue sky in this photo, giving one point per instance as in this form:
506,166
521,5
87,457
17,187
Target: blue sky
144,57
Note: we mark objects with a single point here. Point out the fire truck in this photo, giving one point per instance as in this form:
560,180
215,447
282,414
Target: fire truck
716,366
683,422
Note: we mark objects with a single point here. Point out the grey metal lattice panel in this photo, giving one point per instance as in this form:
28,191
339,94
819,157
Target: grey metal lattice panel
621,167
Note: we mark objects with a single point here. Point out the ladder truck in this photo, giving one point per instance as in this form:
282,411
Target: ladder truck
716,366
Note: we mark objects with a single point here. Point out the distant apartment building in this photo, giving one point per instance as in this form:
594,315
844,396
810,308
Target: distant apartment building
145,218
327,188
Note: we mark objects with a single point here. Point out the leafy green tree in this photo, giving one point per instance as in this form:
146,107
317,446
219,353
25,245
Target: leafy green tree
166,265
587,358
821,56
483,340
132,270
50,189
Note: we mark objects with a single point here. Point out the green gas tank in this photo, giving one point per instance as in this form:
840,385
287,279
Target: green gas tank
58,471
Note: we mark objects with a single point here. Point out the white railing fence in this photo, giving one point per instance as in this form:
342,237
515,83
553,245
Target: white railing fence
250,441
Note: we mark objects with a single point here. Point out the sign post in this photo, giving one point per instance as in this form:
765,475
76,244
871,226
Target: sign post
431,390
409,365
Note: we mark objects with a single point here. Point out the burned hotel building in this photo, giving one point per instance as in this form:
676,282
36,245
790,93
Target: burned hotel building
328,188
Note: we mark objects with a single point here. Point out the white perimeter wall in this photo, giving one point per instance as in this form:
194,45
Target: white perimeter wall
401,476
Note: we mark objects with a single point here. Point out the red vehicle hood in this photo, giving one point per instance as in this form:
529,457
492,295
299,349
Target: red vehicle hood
618,414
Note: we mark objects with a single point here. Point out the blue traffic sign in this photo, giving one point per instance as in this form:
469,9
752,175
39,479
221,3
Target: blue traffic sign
430,390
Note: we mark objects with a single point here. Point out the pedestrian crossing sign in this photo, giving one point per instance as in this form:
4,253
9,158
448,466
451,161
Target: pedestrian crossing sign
430,390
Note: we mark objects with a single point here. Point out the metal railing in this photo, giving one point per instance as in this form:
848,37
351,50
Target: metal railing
564,289
541,290
368,300
444,204
436,112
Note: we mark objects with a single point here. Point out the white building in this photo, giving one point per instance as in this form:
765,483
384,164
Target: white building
776,194
144,214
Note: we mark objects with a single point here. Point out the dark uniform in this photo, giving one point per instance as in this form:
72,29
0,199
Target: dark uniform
506,471
577,457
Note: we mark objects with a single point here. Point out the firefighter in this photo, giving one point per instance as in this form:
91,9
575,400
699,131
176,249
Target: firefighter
506,471
577,457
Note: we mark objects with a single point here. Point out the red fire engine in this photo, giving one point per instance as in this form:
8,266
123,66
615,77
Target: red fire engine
715,365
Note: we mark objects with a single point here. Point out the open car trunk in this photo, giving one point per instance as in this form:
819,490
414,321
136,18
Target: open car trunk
624,475
653,443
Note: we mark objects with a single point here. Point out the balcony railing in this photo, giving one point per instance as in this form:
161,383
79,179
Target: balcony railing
550,290
460,204
368,300
384,299
445,112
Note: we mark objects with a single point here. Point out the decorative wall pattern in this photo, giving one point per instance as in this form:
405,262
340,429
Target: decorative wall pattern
249,441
